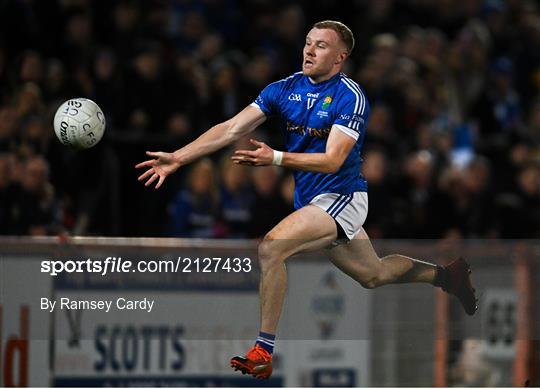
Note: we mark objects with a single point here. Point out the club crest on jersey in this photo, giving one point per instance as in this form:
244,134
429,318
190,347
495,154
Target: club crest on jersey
326,102
295,97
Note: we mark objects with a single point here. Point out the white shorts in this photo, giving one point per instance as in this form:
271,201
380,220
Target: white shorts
350,211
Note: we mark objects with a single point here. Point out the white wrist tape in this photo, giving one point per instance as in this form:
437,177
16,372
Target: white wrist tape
278,157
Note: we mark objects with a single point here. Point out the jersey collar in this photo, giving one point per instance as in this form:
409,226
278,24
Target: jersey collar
323,83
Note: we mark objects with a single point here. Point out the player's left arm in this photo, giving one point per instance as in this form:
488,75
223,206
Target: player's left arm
338,147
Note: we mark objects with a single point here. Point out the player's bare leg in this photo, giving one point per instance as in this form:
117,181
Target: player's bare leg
309,228
359,260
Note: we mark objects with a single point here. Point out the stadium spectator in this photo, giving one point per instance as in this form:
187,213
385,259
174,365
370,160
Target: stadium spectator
225,96
375,170
194,210
146,90
30,201
463,205
57,83
269,205
417,185
189,82
519,210
236,195
499,109
108,86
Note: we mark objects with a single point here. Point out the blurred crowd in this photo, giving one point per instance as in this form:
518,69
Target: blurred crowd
452,146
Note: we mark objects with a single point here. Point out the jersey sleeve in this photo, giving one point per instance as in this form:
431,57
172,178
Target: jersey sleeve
268,99
352,113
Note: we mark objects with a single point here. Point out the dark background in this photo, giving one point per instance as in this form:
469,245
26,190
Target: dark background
452,146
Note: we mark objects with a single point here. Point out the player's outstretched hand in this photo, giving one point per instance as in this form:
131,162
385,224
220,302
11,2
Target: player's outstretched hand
159,167
261,156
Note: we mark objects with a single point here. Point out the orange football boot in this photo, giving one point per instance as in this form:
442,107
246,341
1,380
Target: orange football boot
257,362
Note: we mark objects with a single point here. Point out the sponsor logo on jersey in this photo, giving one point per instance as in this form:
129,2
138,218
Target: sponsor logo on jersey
309,131
357,118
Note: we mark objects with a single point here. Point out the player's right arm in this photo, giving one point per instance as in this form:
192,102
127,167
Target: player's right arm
163,164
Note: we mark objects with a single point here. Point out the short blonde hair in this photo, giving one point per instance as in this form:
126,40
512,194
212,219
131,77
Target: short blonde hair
344,32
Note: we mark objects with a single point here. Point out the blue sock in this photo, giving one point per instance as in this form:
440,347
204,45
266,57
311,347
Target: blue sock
266,341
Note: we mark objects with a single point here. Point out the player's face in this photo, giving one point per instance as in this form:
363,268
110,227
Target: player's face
323,54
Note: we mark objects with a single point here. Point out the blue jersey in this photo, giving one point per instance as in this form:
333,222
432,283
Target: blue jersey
307,112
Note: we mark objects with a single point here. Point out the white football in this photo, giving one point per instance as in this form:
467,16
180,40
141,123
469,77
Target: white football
79,123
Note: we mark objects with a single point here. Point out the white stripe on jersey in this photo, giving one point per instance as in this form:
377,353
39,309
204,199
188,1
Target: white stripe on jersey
353,134
359,103
357,88
351,84
351,125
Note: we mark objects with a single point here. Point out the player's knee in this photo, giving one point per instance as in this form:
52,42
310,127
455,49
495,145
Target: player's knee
268,252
